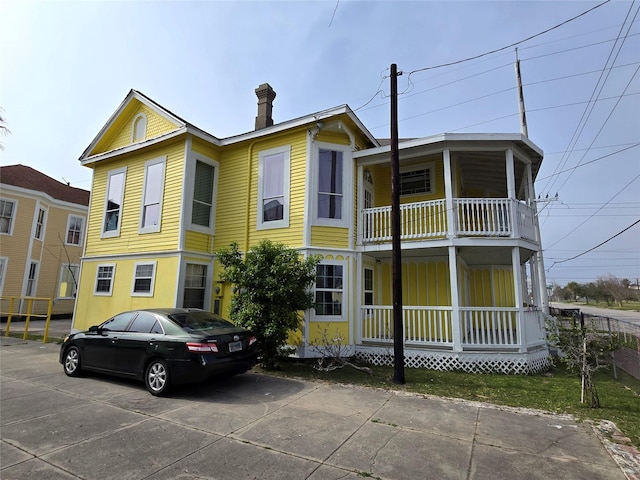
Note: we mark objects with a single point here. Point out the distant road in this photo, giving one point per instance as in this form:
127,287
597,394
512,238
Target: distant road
627,316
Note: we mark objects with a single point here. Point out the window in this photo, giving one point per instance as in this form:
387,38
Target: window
201,213
74,229
119,322
329,290
40,224
194,285
152,195
144,279
32,280
7,213
113,203
415,179
368,286
140,127
273,188
330,173
68,281
3,268
145,323
104,279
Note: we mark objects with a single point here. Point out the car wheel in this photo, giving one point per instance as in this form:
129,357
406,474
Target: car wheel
156,377
71,362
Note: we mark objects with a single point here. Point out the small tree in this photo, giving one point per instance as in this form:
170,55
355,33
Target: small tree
582,349
272,286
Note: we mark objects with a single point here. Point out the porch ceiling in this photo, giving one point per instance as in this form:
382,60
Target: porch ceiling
490,256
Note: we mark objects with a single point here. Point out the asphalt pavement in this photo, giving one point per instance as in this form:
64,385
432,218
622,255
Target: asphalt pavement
256,426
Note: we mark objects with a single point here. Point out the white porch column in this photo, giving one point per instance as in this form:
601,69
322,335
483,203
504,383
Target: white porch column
541,281
517,290
455,300
360,206
511,194
448,195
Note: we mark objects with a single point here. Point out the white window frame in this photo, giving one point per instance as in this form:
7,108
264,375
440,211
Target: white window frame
63,270
153,263
80,233
141,117
110,175
414,168
41,227
345,299
31,285
347,186
191,178
261,224
113,278
12,220
4,261
207,282
148,164
365,290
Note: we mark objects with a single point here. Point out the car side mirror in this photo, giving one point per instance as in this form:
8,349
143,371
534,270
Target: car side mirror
94,329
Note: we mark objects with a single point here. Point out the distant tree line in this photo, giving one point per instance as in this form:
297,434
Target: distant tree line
608,288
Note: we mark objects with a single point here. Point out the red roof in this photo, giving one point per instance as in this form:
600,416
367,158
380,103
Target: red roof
31,179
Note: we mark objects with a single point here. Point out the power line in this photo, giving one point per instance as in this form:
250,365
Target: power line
510,45
599,245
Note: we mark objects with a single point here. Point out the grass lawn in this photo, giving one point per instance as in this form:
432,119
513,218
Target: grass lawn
555,391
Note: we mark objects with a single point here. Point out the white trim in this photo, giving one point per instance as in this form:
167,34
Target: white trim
347,186
110,174
43,226
344,316
67,267
113,278
286,187
27,272
190,182
81,235
153,279
4,261
139,117
162,160
14,212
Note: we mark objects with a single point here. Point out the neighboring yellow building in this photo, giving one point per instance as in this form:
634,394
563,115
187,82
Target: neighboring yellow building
167,195
42,229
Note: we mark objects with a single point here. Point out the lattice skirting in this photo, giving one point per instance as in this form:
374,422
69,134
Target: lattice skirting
470,362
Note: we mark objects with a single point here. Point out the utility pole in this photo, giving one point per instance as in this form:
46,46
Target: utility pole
398,331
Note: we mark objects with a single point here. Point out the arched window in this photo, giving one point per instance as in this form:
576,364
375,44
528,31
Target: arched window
140,128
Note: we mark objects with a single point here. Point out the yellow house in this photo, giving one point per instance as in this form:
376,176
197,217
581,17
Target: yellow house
166,195
42,228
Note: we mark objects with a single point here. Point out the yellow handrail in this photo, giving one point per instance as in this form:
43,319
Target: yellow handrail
30,301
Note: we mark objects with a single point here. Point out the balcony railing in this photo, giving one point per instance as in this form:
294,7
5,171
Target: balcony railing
486,217
480,327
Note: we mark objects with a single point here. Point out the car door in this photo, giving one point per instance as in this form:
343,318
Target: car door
135,345
100,350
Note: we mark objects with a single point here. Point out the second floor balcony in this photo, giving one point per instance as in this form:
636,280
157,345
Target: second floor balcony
469,217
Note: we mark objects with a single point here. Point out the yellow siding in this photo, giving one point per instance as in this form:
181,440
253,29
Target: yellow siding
198,242
130,239
423,283
335,237
93,309
120,132
488,284
336,333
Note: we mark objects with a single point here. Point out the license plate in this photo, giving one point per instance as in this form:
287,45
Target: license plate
235,346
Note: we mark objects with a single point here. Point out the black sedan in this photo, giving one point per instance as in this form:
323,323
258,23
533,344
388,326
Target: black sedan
162,347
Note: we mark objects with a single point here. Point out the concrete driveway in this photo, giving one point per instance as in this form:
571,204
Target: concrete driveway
259,427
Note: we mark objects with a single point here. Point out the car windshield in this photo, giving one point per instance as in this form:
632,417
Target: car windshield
200,321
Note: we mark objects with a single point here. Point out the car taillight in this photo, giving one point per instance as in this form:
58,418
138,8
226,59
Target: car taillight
252,340
202,347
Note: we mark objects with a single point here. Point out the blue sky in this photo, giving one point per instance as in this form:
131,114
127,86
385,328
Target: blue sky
66,66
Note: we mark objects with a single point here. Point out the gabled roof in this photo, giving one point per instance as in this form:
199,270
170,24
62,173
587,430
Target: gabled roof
185,127
31,179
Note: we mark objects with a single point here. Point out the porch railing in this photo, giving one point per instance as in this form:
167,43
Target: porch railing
421,325
480,327
487,217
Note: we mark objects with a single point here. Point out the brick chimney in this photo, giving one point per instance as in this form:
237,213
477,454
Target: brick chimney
265,95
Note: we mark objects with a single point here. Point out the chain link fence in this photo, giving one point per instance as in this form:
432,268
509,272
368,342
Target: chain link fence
627,357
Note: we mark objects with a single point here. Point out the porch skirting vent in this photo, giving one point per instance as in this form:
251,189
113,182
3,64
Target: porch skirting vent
508,363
